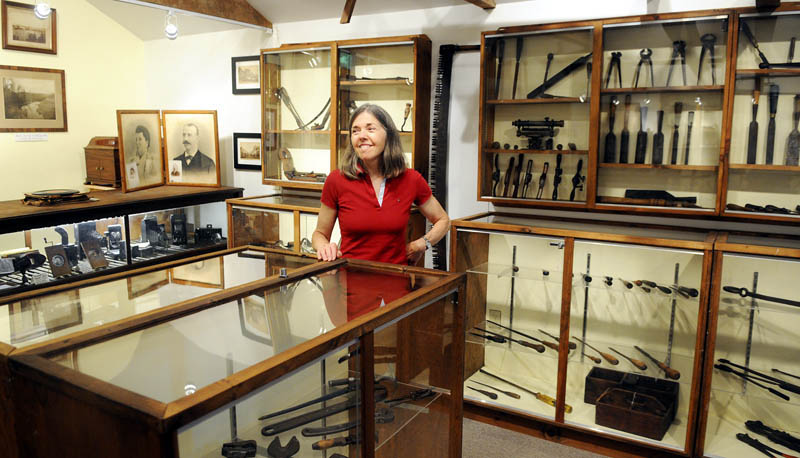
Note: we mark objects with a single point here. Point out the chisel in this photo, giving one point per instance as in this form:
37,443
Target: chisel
641,138
607,356
548,344
624,136
611,138
542,397
494,335
639,364
675,125
488,394
658,140
752,136
773,109
793,142
688,137
671,373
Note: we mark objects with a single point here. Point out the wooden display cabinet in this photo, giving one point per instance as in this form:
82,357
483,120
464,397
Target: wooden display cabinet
309,90
607,290
214,364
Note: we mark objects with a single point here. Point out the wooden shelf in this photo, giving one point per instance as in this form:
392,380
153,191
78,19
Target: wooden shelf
768,72
764,167
700,168
536,101
399,82
535,151
297,131
650,90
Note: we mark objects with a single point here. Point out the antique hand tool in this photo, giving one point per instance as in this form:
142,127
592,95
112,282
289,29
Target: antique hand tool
406,112
416,395
507,177
574,65
571,345
516,67
761,447
641,137
488,394
510,394
542,179
685,292
785,373
690,121
745,293
609,281
528,178
644,59
764,62
752,134
678,50
240,449
534,346
614,63
501,47
274,450
517,173
557,176
670,372
773,108
542,397
497,339
536,131
658,140
341,441
793,142
588,81
611,138
351,386
676,122
782,384
627,284
495,174
791,50
625,135
708,40
382,416
283,95
754,380
577,180
638,363
641,285
653,284
779,437
547,72
607,356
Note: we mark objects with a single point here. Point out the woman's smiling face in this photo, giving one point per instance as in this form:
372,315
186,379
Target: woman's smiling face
368,137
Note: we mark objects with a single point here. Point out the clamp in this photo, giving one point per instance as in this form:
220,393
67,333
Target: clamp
615,63
644,58
678,50
708,40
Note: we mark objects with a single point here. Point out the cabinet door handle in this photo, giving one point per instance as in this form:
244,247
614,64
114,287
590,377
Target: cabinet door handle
97,168
100,168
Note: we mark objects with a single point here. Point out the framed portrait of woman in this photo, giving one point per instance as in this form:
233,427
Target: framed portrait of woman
140,149
191,147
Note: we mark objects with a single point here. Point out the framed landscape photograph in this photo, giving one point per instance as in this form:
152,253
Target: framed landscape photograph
140,149
23,31
246,75
33,100
246,151
191,147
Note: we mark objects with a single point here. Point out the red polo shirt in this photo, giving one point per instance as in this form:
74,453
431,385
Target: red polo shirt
369,230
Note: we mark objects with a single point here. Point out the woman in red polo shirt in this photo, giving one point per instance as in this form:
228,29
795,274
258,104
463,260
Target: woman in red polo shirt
371,194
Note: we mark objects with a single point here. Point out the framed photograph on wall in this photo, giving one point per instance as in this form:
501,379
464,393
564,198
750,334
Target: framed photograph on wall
33,100
246,151
140,149
23,31
206,273
253,318
246,75
191,147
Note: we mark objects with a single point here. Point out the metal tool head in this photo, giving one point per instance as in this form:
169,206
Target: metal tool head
645,54
708,40
276,451
680,46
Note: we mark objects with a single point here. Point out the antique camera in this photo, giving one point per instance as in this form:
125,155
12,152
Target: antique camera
178,223
114,242
208,235
84,232
153,232
71,249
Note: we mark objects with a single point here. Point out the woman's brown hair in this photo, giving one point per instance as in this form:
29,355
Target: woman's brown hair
393,161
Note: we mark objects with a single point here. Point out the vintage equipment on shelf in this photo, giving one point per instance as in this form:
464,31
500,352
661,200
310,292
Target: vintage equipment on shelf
102,162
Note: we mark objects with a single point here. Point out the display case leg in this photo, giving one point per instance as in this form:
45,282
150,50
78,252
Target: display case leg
585,305
511,301
672,318
232,410
750,330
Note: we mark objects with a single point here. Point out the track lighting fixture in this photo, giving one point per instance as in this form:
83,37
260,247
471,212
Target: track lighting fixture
42,9
171,25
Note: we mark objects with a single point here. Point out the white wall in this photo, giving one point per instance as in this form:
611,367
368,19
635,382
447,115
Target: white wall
103,66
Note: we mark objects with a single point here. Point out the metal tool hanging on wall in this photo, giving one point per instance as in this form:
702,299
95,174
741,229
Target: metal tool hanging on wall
678,51
283,95
557,176
752,135
501,47
793,141
611,138
625,135
708,41
517,173
542,180
641,137
773,109
563,73
516,67
495,174
688,137
644,59
658,140
528,178
614,63
577,180
676,122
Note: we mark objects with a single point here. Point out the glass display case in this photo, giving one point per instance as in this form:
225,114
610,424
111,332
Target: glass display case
348,356
311,89
751,372
536,130
589,326
762,180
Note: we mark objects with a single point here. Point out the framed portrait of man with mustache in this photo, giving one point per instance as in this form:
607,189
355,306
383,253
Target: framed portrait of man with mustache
191,152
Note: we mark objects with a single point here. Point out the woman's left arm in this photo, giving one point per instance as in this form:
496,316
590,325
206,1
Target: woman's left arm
434,213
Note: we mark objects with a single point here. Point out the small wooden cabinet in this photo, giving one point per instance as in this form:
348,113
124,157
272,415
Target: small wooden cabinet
102,161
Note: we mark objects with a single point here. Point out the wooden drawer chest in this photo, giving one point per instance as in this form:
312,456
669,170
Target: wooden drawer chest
102,162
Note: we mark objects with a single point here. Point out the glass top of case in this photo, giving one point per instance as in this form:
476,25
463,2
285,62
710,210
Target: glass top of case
589,226
46,317
782,242
280,199
170,360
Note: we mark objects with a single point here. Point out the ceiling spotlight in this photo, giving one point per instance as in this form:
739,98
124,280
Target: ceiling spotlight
42,9
171,25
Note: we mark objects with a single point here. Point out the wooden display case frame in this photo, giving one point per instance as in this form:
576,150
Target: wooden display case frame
558,430
151,426
421,101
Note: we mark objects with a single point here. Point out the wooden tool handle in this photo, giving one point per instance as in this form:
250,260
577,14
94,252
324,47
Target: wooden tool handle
609,357
625,115
550,345
671,373
594,358
639,364
537,347
546,399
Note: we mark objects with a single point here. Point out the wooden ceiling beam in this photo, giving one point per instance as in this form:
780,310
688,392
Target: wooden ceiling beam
485,4
236,10
349,5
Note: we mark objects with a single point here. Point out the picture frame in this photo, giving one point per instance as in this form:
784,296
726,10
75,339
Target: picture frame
206,273
253,319
140,147
246,151
139,285
201,137
23,31
246,75
33,100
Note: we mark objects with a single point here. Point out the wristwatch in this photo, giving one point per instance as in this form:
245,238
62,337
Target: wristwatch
427,242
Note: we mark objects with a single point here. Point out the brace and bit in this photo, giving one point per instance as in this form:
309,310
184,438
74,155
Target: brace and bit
615,63
708,40
678,50
644,59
